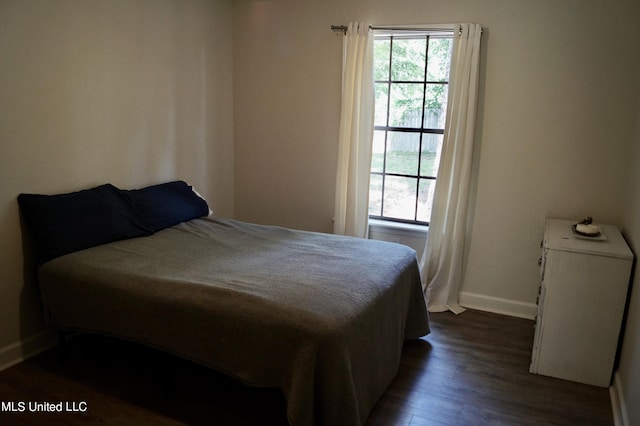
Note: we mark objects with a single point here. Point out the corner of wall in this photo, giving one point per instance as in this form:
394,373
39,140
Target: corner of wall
19,351
618,404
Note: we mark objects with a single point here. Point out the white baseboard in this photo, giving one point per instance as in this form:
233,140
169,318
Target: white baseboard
618,404
19,351
498,305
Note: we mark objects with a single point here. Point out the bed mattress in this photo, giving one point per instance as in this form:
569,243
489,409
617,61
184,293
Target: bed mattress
321,317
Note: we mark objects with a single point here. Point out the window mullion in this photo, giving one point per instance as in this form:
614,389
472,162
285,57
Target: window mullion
424,104
386,133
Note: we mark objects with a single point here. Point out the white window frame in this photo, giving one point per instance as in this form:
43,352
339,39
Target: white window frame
444,31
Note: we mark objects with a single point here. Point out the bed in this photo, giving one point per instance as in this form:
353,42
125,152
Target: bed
320,317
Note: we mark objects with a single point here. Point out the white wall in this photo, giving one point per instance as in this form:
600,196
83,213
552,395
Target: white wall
286,110
131,93
628,375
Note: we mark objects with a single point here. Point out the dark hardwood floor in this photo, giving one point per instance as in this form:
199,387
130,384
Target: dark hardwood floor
471,370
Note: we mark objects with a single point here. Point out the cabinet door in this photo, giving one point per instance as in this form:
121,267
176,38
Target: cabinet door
583,301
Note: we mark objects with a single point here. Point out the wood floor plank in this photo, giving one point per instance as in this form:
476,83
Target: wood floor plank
471,370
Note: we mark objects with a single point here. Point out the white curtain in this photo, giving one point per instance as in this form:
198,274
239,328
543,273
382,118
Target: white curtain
356,133
442,261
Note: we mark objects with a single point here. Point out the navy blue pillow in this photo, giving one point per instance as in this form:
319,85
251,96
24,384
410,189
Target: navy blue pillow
64,223
168,204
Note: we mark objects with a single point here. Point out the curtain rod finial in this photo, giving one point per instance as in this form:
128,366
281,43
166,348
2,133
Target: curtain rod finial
342,28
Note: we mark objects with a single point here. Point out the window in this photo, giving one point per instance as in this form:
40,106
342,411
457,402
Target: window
411,85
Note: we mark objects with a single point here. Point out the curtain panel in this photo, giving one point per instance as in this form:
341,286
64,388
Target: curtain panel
442,261
356,133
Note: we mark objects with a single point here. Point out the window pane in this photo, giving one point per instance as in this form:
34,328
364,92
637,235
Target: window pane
439,59
435,106
375,195
400,197
382,98
377,154
425,199
430,157
406,104
402,153
408,59
381,51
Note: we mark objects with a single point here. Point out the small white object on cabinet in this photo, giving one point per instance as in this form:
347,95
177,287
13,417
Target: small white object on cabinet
581,303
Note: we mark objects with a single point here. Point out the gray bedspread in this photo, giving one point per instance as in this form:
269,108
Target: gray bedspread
321,317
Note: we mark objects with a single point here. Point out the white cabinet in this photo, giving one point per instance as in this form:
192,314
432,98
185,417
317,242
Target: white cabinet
582,299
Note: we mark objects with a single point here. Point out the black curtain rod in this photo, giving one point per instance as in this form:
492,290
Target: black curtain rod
344,29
